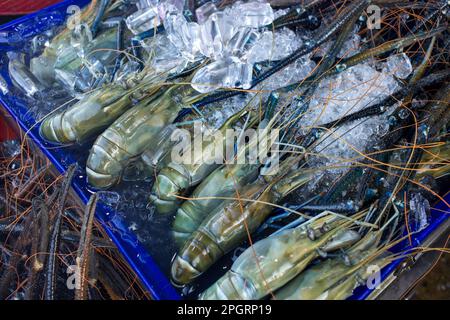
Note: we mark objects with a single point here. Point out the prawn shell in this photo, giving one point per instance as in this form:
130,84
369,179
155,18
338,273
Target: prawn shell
202,251
225,289
314,282
223,182
344,289
176,178
272,262
107,159
311,283
65,59
280,259
170,179
221,232
86,118
128,137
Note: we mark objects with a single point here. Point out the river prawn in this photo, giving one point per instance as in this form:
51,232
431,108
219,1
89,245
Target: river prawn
93,113
314,282
227,226
225,181
359,266
176,178
130,135
279,259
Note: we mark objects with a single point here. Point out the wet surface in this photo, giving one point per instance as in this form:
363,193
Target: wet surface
436,284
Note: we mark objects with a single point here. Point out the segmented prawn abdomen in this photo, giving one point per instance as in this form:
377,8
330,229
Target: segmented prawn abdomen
224,182
128,137
231,286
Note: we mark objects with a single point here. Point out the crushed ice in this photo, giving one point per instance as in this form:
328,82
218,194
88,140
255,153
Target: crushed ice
347,92
399,65
420,211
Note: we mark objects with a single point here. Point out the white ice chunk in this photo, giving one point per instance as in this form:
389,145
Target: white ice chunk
280,12
420,210
126,71
293,73
253,14
215,34
183,35
203,12
218,112
224,37
144,20
241,41
3,86
166,57
170,6
144,4
399,65
272,46
348,92
226,73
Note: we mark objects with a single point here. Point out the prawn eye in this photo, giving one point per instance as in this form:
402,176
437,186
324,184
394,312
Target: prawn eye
313,22
311,234
325,228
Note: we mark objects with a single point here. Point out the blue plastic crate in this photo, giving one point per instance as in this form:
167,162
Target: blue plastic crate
145,266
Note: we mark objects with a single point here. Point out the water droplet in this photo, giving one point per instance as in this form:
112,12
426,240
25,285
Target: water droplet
403,114
392,120
341,67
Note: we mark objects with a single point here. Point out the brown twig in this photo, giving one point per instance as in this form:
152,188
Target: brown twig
83,252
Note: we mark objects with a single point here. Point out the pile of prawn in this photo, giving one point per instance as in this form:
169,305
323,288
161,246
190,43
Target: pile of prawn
317,243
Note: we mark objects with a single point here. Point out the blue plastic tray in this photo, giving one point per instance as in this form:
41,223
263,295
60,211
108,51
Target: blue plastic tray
134,252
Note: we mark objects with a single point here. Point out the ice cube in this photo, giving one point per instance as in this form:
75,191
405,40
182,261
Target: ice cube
280,12
170,6
3,86
254,14
215,34
293,73
348,92
241,40
23,79
127,70
143,4
143,20
273,46
184,36
230,72
203,12
420,211
399,65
